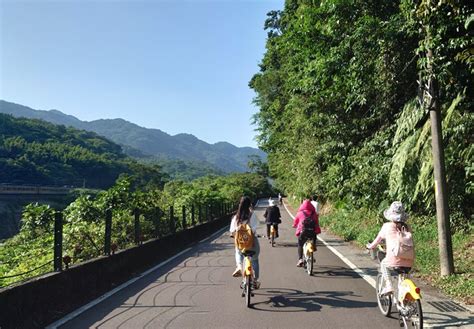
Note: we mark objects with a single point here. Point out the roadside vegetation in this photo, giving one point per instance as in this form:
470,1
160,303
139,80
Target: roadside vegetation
339,116
30,252
361,225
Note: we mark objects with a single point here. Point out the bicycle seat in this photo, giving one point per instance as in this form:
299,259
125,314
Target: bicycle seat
402,270
248,252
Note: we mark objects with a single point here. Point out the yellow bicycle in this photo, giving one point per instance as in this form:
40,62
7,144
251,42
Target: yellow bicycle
308,255
247,277
272,235
407,298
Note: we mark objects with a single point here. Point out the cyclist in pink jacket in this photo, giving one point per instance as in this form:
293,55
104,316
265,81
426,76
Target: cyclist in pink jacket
305,230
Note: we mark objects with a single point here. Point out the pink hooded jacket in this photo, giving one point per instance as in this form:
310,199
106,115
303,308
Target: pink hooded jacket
309,210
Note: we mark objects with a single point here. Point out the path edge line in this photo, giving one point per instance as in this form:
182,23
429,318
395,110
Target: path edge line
360,272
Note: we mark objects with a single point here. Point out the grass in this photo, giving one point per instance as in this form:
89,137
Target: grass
362,225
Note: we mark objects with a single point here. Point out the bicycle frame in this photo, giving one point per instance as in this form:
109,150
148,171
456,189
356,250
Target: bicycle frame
247,280
272,230
308,250
407,300
247,266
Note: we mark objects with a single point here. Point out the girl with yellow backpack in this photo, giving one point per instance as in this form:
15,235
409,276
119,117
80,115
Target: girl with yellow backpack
244,228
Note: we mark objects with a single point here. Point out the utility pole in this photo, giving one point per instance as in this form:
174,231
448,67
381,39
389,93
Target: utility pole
441,195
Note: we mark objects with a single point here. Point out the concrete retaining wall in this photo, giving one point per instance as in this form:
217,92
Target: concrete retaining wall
42,300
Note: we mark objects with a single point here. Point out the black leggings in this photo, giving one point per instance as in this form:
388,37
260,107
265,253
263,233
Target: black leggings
302,238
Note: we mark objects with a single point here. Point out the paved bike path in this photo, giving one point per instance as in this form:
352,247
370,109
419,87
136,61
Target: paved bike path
196,290
439,311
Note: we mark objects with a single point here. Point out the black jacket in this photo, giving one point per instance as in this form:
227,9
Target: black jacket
272,215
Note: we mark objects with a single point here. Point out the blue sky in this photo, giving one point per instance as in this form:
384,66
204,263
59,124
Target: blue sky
179,66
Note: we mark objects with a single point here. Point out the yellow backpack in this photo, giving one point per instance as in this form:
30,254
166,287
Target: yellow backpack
244,237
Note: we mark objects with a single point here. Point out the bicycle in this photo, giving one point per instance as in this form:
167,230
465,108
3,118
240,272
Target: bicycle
272,235
407,300
247,277
308,255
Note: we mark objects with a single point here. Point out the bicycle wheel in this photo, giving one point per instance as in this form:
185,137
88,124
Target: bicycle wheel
384,302
309,264
273,239
248,288
416,319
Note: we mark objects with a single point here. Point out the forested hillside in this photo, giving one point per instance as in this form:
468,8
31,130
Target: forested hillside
37,152
337,92
152,143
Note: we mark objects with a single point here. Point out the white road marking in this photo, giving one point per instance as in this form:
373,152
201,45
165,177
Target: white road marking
365,276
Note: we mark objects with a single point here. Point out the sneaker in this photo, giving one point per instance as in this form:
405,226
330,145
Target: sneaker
300,263
237,273
256,284
386,291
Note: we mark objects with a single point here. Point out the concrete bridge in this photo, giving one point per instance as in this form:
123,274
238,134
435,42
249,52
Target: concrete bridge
14,197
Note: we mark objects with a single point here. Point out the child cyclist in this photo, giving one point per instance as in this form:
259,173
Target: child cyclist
303,231
390,233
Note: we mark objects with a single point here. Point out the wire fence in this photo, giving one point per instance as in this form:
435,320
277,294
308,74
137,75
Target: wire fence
72,242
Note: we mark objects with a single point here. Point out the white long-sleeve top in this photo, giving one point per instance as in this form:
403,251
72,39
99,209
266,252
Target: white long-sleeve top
252,222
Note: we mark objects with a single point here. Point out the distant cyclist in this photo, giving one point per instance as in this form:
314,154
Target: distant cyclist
315,203
272,217
280,199
307,227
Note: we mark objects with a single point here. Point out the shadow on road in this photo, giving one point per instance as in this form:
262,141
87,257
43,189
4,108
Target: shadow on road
291,300
325,271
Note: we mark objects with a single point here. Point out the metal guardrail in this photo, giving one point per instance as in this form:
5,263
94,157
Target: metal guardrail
163,224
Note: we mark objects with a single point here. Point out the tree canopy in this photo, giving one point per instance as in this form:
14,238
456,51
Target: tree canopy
337,93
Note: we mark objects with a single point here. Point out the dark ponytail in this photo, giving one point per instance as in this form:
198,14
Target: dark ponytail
402,224
243,212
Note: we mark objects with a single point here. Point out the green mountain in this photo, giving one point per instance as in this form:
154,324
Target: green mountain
155,143
38,152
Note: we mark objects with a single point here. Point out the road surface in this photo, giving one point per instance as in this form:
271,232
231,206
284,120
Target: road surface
196,290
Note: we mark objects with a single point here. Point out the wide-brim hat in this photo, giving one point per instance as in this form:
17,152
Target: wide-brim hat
271,203
396,212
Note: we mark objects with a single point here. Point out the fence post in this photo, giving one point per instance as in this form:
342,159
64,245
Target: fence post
156,221
199,214
58,241
193,220
183,212
108,231
207,213
136,214
171,218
